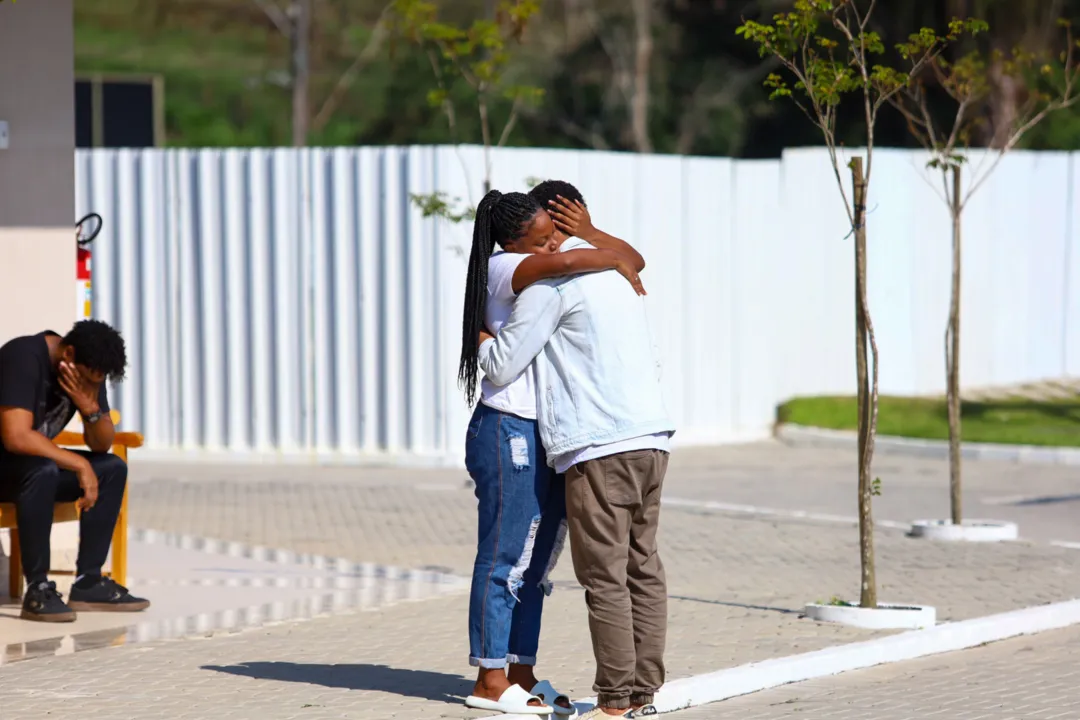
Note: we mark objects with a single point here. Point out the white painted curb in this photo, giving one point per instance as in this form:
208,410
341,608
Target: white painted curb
886,616
746,679
967,531
801,435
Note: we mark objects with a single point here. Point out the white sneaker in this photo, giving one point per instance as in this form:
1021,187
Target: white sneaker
598,714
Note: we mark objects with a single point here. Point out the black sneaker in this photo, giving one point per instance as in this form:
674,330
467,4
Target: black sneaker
43,603
105,596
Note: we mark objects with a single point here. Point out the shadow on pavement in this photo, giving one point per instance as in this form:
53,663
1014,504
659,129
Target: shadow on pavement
768,608
421,684
1048,500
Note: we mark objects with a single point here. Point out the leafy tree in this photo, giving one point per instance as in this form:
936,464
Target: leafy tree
830,53
1053,83
478,54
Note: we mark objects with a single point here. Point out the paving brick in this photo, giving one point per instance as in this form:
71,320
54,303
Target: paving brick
737,584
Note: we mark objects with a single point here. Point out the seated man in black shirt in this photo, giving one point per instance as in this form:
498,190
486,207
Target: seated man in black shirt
44,381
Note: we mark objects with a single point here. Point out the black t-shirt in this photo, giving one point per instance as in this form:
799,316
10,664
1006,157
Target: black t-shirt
28,381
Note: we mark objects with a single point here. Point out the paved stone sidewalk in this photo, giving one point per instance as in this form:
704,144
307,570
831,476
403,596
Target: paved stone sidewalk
737,583
427,518
267,504
408,661
1043,499
1063,388
1026,678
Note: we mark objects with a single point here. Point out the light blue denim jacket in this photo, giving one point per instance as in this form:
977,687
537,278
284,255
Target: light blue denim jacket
597,380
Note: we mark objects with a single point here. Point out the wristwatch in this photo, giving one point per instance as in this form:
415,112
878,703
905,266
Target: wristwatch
91,419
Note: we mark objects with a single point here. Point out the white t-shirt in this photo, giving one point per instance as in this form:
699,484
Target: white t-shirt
518,397
659,441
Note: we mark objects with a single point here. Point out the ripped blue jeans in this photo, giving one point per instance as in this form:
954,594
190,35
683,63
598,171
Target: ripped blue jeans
520,533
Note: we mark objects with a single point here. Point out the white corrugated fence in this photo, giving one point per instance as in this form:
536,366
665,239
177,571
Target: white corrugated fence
295,302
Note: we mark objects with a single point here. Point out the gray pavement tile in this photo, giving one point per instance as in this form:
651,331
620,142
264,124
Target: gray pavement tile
737,583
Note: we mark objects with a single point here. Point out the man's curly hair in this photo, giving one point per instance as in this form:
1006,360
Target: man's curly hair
98,346
548,190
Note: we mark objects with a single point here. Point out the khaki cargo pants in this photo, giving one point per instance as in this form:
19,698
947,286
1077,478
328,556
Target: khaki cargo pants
613,510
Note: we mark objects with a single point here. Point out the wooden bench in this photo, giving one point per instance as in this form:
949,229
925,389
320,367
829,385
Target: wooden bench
68,512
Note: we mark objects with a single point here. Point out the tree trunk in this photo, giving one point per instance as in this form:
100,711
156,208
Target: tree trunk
639,107
868,591
952,356
300,66
485,134
1004,104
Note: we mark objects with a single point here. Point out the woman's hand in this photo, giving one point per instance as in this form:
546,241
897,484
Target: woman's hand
484,337
572,218
627,271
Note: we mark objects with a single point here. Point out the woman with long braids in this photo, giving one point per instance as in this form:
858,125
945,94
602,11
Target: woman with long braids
522,502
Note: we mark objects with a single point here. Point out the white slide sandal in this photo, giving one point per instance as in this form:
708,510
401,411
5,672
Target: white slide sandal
513,701
547,692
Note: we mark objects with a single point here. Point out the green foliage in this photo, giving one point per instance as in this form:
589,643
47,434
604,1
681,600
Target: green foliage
1015,421
829,51
225,71
441,205
1049,84
875,487
480,54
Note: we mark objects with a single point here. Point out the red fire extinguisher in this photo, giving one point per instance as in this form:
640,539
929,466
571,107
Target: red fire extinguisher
85,231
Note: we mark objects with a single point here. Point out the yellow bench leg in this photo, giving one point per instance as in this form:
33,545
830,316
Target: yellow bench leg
120,533
15,578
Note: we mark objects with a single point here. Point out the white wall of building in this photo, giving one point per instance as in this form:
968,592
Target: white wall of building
37,195
37,186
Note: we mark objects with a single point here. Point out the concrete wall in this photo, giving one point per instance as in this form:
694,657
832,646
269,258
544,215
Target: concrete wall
37,188
37,181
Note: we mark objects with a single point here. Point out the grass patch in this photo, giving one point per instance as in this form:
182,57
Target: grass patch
1013,421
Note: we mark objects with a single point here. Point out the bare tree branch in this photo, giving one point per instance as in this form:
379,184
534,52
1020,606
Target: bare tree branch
866,18
447,105
618,52
510,122
277,16
639,103
1066,99
706,99
348,77
592,138
485,133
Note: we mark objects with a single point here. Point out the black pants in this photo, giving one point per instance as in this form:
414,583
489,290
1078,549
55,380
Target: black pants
34,484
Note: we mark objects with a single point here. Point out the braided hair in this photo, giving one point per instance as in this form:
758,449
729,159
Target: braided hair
499,219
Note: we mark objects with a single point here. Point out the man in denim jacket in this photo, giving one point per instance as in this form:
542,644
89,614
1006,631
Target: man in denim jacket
603,423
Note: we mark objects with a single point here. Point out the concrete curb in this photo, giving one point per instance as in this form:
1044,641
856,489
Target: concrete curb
803,436
746,679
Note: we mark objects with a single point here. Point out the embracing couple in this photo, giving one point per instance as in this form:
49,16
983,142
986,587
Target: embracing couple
570,437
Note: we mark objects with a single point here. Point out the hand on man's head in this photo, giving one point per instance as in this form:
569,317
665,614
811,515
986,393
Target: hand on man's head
80,387
572,217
